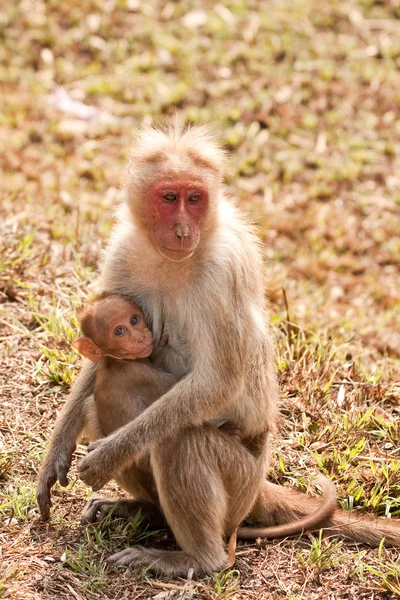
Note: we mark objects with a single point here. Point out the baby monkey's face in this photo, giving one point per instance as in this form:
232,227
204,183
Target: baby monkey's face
114,326
122,330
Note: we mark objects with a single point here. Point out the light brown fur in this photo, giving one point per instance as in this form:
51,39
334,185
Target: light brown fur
126,386
126,381
212,304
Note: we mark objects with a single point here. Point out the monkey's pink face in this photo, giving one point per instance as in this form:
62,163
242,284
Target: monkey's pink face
176,210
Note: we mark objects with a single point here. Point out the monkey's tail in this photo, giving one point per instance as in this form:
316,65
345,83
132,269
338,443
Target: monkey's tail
276,505
309,522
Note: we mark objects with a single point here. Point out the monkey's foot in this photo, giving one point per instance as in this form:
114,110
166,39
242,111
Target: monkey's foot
163,562
97,508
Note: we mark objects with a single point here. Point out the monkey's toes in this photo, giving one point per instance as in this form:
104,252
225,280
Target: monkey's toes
96,509
130,557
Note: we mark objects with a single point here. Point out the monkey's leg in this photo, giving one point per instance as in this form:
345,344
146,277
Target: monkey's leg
276,505
197,476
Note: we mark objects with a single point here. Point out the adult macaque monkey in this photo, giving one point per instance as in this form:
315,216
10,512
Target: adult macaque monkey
116,335
187,257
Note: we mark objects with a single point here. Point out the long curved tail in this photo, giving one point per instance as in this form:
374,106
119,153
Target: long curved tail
276,505
309,522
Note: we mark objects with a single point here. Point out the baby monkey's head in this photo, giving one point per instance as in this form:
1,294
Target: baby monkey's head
113,325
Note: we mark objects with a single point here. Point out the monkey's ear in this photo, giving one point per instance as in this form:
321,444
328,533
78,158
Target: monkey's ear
88,348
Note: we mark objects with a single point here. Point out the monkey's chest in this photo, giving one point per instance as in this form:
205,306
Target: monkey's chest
174,356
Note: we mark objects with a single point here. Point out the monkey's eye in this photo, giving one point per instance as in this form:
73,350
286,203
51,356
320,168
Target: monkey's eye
134,320
120,330
169,197
194,198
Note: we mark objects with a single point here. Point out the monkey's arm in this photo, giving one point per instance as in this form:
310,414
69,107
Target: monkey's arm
69,425
192,401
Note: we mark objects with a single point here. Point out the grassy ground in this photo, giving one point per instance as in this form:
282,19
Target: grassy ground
305,94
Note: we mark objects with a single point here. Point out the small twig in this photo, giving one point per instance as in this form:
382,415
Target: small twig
382,459
353,383
172,586
381,24
6,338
77,225
73,592
296,326
388,455
232,550
289,320
249,551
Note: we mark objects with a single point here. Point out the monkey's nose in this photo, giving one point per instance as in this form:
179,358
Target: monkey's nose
182,230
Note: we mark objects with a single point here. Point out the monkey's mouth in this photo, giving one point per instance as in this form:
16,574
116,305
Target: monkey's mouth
144,353
147,350
179,253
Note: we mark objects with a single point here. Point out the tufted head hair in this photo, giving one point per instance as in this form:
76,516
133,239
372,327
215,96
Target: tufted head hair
172,151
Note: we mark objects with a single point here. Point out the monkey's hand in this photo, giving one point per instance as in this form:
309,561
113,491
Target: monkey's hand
55,468
98,466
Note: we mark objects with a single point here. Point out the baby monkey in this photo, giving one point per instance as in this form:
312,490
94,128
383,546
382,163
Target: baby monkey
115,334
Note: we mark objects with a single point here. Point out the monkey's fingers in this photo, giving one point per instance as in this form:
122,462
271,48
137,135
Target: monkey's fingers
61,468
98,485
43,496
93,482
63,479
82,465
90,475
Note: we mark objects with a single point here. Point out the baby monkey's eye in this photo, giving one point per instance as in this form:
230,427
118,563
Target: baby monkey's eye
120,330
134,320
